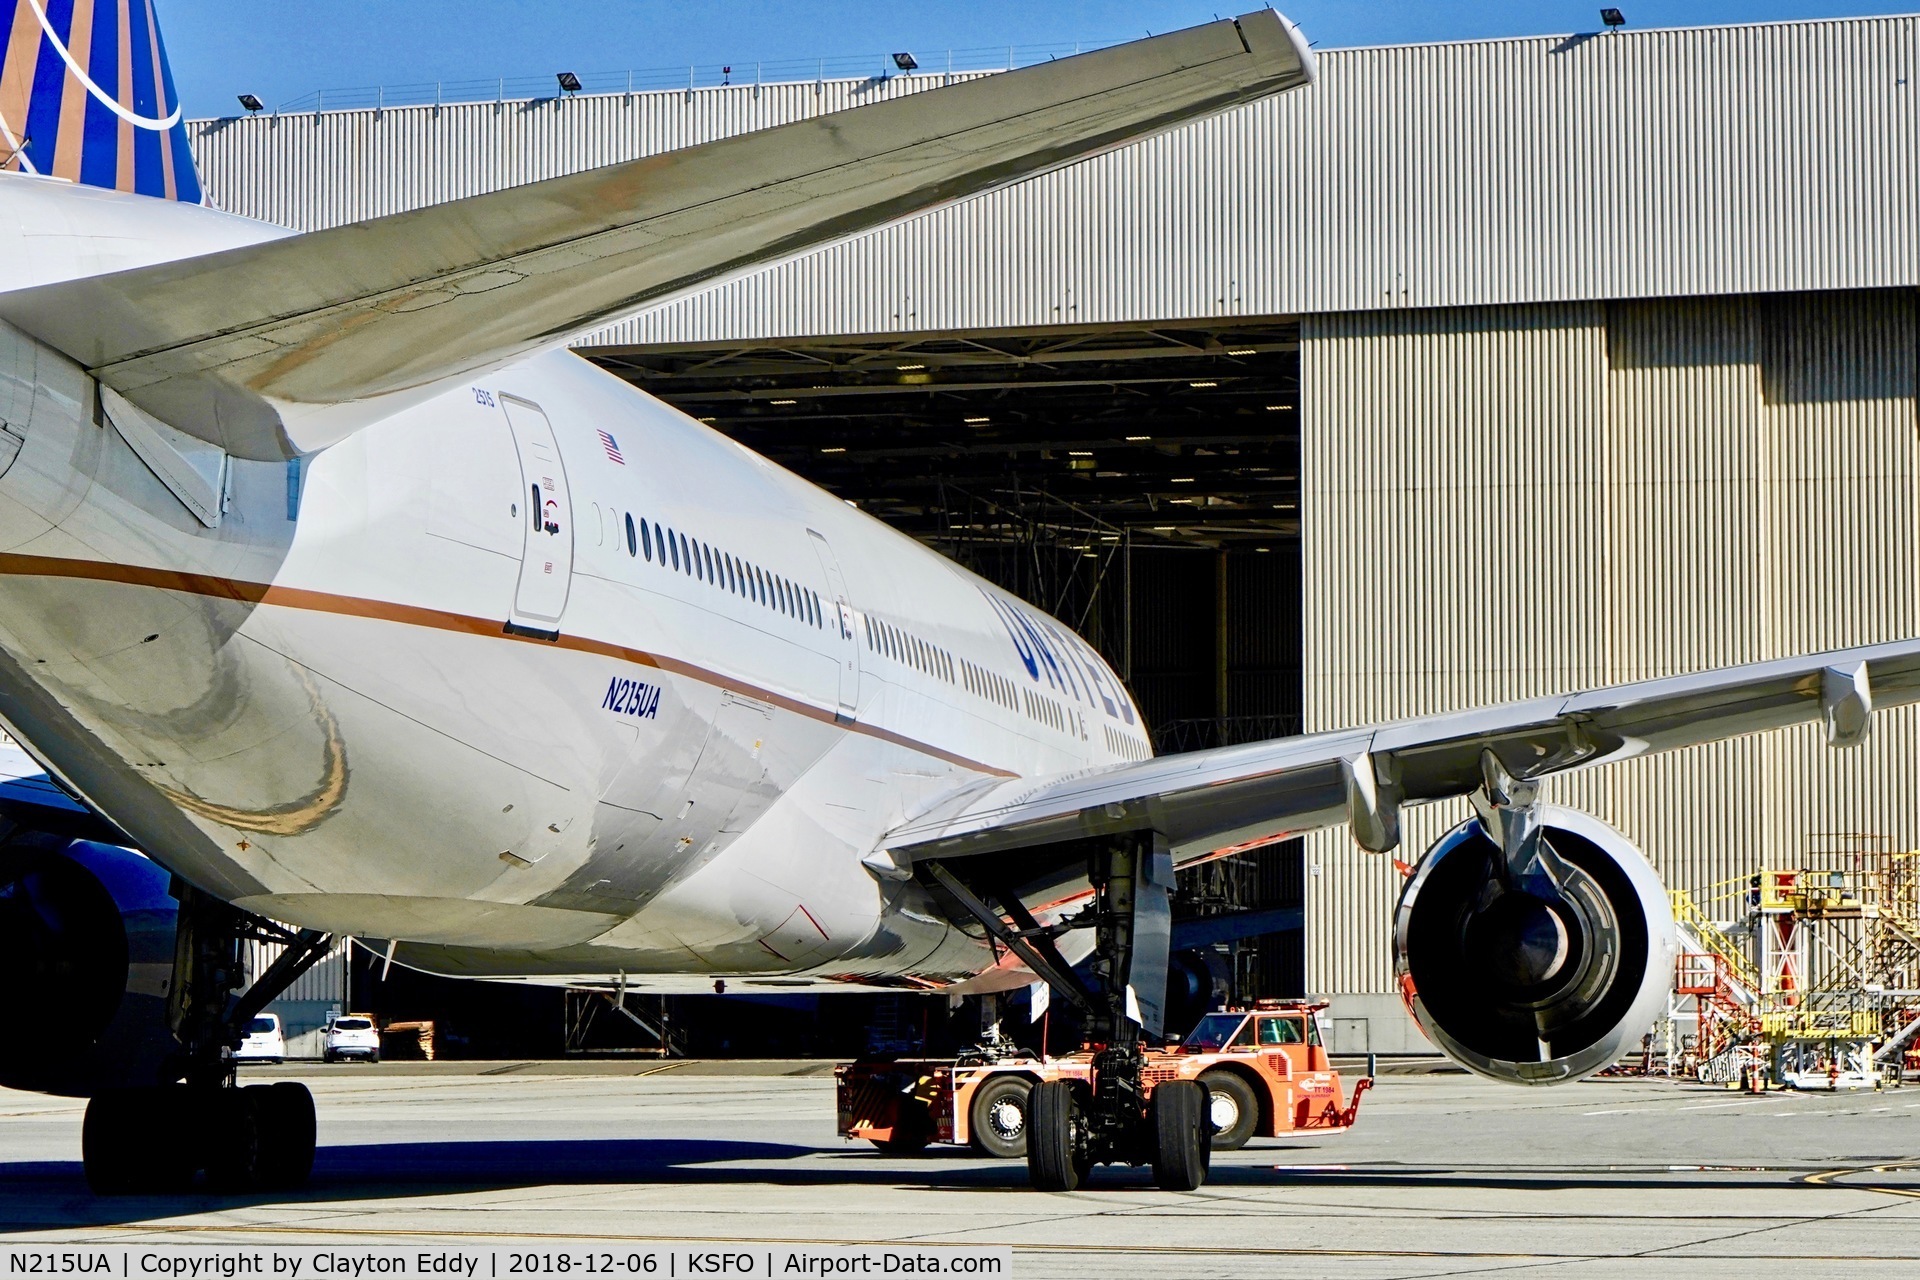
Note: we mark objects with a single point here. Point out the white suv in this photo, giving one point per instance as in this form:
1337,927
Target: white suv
264,1042
352,1035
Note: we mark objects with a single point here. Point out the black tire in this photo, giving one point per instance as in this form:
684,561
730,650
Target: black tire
326,1055
139,1142
107,1148
287,1127
1056,1139
232,1128
998,1117
912,1130
1232,1109
903,1144
1182,1135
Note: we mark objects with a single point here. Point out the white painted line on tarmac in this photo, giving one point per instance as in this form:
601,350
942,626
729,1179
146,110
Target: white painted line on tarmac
1711,1106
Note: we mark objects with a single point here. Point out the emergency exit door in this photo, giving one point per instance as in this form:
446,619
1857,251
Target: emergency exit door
546,556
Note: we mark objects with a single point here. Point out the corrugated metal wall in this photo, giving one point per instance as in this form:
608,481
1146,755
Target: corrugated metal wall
320,169
1504,502
1718,160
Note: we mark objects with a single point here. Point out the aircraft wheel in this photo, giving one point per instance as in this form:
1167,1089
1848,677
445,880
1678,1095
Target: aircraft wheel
1056,1137
1183,1136
1231,1109
137,1141
231,1123
287,1130
999,1117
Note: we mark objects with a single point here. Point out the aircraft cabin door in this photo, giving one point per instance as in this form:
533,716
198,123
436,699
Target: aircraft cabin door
546,556
848,638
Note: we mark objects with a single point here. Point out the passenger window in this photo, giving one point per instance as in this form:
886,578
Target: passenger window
673,545
706,553
646,541
686,554
633,543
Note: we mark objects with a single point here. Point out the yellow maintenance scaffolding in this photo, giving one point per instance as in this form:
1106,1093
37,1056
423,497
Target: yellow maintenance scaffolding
1806,975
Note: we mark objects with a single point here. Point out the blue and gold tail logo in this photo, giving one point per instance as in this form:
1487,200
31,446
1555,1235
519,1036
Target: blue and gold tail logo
85,94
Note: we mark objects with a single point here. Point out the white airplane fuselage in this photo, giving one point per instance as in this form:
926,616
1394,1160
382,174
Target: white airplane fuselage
537,675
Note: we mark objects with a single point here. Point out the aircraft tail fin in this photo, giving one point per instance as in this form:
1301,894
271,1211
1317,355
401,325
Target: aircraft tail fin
86,95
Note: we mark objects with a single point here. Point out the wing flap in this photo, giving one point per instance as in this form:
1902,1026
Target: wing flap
1206,800
248,348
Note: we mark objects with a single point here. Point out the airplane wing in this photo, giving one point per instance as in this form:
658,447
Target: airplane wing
256,349
1207,800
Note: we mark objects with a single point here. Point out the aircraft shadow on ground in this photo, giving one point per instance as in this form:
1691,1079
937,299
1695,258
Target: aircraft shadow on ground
40,1195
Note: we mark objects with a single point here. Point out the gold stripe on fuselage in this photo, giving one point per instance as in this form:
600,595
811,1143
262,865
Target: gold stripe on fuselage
257,593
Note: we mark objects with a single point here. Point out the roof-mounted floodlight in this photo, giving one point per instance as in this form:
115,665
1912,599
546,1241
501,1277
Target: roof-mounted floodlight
251,104
569,82
1613,18
906,62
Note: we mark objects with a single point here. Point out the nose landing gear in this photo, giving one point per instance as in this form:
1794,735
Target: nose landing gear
259,1138
1119,1117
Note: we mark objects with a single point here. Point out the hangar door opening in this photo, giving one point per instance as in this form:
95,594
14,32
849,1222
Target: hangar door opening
1143,485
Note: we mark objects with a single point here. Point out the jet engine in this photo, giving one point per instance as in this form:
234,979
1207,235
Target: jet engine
1541,972
87,951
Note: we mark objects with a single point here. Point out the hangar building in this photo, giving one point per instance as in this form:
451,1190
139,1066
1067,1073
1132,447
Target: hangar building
1472,372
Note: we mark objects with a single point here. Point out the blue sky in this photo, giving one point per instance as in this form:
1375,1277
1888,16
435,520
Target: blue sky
285,49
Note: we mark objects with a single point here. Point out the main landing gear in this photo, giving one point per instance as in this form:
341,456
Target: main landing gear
156,1139
1117,1117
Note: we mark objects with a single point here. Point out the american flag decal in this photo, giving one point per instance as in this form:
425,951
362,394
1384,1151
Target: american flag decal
612,447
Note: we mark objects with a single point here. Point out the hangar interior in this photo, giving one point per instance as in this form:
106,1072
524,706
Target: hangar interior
1141,483
1473,372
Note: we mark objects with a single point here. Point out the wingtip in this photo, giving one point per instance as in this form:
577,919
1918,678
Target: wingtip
1268,31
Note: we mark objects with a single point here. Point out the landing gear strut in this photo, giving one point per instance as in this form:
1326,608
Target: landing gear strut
157,1138
1116,1117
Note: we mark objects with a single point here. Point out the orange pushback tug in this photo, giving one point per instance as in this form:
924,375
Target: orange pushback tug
1265,1068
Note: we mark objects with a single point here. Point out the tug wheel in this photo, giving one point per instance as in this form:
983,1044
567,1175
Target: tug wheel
998,1117
1232,1109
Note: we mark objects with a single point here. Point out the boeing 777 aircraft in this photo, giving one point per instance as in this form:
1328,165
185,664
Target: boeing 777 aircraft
334,584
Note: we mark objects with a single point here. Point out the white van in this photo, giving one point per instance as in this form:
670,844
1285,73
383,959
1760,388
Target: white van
264,1042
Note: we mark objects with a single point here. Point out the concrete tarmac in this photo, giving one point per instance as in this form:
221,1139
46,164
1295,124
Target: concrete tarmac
1444,1175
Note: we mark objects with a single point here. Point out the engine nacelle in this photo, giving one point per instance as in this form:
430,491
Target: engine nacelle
1537,983
86,950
